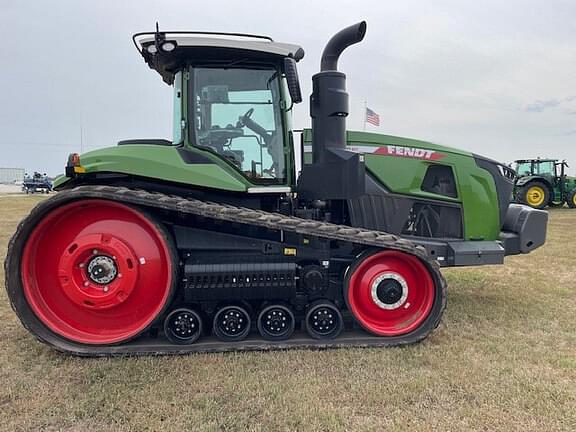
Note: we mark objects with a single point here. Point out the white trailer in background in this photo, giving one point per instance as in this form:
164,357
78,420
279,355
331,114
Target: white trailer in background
11,175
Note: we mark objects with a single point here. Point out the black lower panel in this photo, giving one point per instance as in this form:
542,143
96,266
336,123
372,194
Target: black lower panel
382,210
433,221
246,281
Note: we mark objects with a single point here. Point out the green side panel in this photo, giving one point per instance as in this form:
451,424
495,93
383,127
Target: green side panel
404,175
162,163
569,186
570,183
60,180
479,201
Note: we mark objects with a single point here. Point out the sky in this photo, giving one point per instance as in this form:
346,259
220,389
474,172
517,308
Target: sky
497,78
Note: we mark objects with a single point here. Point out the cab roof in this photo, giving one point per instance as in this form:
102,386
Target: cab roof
536,160
167,52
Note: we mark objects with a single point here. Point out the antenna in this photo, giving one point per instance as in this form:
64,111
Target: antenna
158,37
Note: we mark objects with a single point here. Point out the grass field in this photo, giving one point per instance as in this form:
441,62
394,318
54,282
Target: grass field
504,358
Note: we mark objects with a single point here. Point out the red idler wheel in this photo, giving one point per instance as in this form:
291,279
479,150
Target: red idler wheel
389,293
97,271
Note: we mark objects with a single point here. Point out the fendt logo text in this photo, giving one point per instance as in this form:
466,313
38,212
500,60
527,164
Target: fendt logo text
391,150
412,152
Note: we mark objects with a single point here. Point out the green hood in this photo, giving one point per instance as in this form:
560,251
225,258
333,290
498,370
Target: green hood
370,138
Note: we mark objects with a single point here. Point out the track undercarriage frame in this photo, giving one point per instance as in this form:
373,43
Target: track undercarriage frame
306,280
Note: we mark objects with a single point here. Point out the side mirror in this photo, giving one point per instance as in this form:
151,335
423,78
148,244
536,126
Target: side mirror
292,80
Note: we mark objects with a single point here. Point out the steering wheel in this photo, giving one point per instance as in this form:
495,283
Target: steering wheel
246,116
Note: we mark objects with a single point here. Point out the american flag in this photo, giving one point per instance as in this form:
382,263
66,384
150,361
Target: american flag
372,117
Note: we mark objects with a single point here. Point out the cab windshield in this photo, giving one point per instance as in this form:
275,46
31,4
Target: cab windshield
546,167
524,168
237,115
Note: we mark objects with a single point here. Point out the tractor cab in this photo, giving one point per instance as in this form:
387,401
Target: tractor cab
233,95
237,114
550,168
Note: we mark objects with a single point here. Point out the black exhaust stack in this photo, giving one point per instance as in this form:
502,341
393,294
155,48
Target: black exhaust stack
335,173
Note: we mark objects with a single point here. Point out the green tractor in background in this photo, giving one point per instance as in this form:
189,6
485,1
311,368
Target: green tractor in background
543,182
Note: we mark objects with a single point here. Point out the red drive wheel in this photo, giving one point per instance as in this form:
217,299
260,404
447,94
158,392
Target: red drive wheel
390,293
97,272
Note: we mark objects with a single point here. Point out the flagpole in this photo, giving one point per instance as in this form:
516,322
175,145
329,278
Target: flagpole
81,131
364,114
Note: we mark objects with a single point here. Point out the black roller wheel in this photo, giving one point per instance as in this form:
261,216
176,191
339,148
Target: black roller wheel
276,322
183,326
571,198
323,320
231,323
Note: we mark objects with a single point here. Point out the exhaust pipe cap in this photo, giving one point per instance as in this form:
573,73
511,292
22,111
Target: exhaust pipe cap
339,42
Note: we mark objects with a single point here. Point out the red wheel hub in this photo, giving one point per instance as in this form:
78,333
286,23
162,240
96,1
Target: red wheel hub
390,293
96,271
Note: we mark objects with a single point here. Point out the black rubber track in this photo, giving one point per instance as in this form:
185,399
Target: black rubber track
157,346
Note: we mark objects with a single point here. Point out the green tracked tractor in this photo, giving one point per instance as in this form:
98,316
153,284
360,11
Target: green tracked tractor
222,239
543,182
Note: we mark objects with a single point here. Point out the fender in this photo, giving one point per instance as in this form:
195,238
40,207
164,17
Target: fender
528,179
